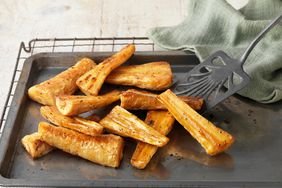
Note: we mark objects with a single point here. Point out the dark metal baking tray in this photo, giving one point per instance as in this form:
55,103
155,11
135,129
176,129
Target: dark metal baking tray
255,159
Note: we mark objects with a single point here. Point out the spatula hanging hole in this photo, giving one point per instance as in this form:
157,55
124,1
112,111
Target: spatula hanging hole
237,79
218,61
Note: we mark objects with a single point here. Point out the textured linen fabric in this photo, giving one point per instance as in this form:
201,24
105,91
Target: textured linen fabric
213,25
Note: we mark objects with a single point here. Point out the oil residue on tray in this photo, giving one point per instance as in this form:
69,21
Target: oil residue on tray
190,150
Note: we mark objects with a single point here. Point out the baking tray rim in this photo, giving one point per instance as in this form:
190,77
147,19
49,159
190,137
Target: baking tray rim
132,183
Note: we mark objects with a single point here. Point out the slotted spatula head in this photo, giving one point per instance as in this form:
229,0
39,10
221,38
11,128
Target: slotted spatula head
215,79
219,76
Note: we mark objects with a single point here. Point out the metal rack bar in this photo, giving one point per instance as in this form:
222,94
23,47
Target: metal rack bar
53,45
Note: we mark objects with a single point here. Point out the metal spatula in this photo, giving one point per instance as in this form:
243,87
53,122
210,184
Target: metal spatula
219,76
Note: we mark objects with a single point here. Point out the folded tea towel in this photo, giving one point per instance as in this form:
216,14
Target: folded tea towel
213,25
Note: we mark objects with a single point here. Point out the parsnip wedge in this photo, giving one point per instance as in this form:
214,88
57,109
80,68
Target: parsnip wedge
213,139
70,105
86,122
102,149
133,99
34,146
153,76
85,126
91,82
61,84
162,121
122,122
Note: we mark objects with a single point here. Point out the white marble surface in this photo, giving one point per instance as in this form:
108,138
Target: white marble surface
27,19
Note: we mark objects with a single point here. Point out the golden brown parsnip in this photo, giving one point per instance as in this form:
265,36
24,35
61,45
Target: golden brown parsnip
162,121
34,146
78,124
102,149
122,122
86,122
153,76
213,139
133,99
91,82
61,84
70,105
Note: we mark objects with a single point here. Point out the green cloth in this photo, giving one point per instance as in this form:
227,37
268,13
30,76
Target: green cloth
213,25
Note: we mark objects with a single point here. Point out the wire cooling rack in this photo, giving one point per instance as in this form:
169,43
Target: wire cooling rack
66,45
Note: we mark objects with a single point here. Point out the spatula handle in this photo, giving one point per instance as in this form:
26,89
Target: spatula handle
259,37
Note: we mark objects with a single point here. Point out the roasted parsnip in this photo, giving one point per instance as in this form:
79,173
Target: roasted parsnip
153,76
133,99
70,105
86,122
62,84
213,139
102,149
34,146
123,123
161,121
91,82
78,124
